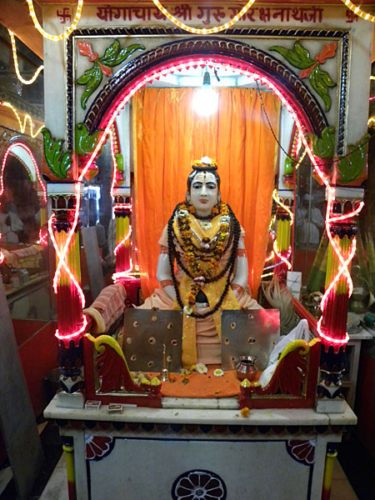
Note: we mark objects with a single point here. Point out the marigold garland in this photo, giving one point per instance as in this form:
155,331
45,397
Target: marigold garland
212,255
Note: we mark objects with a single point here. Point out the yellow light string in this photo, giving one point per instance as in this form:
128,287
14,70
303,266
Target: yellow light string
272,222
27,118
16,66
67,32
204,31
298,164
266,275
358,11
371,121
372,77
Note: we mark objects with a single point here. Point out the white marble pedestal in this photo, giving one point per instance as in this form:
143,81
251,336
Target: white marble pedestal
161,454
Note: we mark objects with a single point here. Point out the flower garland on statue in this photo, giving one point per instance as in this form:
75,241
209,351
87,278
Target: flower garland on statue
210,252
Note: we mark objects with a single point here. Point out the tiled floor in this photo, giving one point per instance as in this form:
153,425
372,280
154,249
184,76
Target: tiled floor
56,488
341,488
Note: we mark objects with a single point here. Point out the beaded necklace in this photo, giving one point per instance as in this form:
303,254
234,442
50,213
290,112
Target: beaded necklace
200,275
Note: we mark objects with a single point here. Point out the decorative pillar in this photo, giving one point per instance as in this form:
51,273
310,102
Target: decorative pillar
282,244
335,302
70,472
43,231
328,470
125,271
64,228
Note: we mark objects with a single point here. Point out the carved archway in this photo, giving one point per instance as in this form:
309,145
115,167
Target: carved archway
234,53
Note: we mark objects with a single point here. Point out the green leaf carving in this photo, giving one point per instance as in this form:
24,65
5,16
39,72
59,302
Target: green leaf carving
92,82
84,142
86,77
299,57
351,166
113,56
324,147
120,56
321,82
289,166
111,53
119,161
58,162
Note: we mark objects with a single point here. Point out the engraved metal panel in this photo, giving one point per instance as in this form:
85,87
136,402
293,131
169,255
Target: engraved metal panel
248,333
145,332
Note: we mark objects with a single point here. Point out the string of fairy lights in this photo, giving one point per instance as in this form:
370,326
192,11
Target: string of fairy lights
196,31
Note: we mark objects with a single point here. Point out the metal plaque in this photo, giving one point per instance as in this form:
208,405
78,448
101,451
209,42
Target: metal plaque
248,333
145,332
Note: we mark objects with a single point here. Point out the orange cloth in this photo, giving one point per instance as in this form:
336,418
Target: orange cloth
203,386
169,135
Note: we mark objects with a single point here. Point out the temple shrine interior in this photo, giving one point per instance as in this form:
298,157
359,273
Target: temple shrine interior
187,250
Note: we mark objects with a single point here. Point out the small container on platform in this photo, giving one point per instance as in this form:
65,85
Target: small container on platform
246,367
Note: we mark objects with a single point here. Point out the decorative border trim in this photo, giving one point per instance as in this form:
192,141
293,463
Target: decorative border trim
182,431
91,121
343,93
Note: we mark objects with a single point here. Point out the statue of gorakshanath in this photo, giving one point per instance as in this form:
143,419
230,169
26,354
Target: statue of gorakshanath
207,241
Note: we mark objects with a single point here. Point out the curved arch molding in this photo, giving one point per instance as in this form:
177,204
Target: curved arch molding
237,52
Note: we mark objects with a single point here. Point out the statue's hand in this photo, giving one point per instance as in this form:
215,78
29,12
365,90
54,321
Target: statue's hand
236,289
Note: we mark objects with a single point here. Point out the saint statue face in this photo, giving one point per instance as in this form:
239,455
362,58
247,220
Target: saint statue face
204,193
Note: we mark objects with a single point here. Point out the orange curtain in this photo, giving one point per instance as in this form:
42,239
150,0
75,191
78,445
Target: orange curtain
168,135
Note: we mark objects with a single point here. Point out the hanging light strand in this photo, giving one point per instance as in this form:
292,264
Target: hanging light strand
358,11
203,31
27,118
67,32
16,66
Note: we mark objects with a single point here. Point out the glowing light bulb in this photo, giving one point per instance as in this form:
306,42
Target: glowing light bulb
205,101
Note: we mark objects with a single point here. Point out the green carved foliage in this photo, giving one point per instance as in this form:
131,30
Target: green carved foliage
84,142
351,166
113,56
324,147
91,78
119,161
321,82
298,56
58,161
289,166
